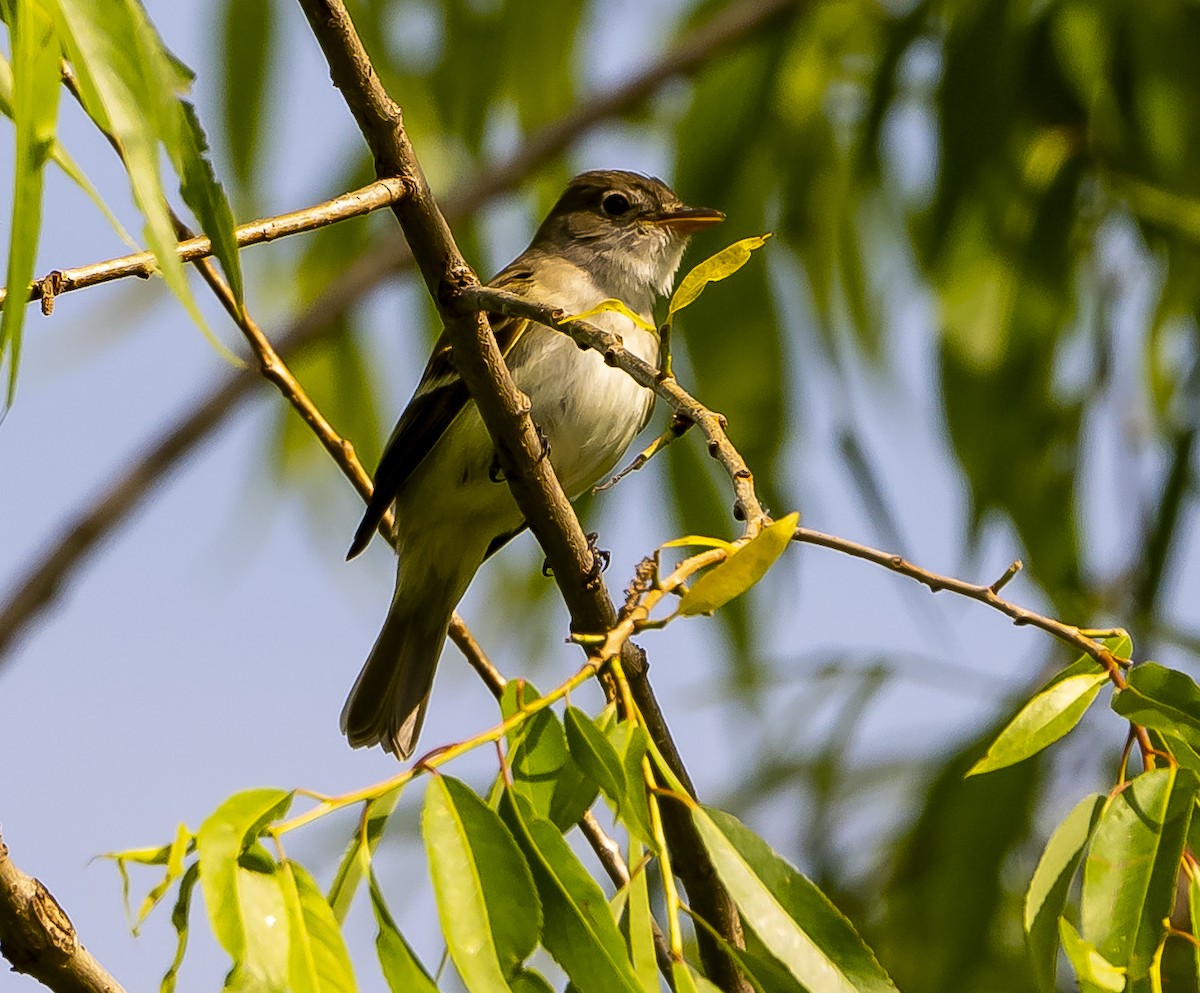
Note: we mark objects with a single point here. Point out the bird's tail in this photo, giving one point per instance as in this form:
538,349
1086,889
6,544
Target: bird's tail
387,704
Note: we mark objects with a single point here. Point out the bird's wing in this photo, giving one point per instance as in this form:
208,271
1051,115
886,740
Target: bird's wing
440,397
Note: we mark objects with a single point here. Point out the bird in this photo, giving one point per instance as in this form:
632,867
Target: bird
611,234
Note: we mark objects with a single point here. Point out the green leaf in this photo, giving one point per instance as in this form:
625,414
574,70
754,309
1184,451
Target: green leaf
357,857
713,269
793,919
639,922
1042,721
401,968
317,958
62,158
741,570
537,758
1194,916
697,540
222,838
175,855
131,86
486,900
528,981
630,743
1130,873
594,754
1051,882
179,920
1163,699
263,964
36,76
611,304
578,930
1095,973
688,980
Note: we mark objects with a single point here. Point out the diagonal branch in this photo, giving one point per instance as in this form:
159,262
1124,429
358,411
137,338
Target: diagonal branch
39,940
47,576
505,413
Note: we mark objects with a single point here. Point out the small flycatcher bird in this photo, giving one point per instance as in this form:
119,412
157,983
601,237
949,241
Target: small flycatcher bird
611,234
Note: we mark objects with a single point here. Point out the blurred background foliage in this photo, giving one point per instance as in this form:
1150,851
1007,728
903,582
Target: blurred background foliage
996,164
992,170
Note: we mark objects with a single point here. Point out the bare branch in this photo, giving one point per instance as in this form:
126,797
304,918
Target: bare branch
381,193
39,940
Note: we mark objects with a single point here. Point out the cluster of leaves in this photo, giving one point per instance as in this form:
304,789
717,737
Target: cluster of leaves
505,879
1134,844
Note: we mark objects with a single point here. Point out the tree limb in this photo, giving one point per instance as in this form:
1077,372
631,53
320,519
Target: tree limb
505,413
38,938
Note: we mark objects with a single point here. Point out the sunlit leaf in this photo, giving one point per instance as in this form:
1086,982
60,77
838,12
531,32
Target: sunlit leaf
1048,889
794,920
401,968
594,753
713,269
745,567
630,743
317,958
1161,698
175,855
615,306
180,915
358,852
1042,721
639,922
222,838
578,930
36,55
698,540
1129,875
1094,972
486,900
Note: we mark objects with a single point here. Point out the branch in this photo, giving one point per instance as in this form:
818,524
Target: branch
38,938
505,413
45,578
712,425
381,193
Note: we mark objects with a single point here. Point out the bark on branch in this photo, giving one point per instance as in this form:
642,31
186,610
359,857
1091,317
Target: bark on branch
505,412
38,938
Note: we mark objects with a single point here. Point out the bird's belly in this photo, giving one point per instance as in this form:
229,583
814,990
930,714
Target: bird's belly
588,411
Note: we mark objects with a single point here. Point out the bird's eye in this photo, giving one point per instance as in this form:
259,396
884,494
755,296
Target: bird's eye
615,204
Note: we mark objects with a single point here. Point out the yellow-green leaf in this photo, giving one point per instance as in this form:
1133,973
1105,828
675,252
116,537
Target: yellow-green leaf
697,540
741,570
713,269
613,304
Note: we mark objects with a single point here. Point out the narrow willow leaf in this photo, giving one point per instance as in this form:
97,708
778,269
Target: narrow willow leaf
1129,876
1163,699
793,919
639,921
611,304
594,753
630,742
62,158
180,915
357,856
1095,973
1051,882
1042,721
263,964
317,958
248,36
725,263
222,838
528,981
401,968
697,540
132,87
688,980
175,855
486,900
538,758
741,570
579,931
36,54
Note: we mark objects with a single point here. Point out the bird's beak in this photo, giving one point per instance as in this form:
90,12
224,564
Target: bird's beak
686,220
